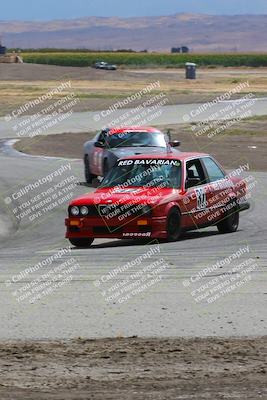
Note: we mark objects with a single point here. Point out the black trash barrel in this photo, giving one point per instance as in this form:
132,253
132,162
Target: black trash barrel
2,50
190,70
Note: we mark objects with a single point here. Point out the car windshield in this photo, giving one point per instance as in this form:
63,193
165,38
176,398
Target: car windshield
137,139
144,172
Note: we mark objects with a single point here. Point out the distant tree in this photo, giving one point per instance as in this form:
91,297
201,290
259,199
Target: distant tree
125,51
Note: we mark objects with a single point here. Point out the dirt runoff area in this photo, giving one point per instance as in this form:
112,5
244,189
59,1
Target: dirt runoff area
135,368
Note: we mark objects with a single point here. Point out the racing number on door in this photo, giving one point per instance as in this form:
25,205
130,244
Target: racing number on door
201,198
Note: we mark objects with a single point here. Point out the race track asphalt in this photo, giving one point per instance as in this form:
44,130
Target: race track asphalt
78,308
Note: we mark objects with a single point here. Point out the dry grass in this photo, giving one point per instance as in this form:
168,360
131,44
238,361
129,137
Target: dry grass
99,89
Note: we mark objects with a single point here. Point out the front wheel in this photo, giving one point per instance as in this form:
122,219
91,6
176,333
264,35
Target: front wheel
230,223
87,173
105,168
81,242
173,225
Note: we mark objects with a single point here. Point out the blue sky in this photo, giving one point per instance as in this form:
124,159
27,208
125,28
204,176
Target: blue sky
61,9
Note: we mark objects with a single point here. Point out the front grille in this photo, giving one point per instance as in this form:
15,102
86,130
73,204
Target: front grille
93,211
127,210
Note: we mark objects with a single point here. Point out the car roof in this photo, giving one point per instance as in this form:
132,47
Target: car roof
125,129
168,155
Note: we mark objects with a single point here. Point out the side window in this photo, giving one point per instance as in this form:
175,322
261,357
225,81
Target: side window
102,137
214,171
194,173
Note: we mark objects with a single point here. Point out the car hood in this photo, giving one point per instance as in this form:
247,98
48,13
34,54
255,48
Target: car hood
136,195
132,151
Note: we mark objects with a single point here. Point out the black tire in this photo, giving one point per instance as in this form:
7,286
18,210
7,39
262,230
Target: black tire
173,225
105,168
230,222
88,176
81,242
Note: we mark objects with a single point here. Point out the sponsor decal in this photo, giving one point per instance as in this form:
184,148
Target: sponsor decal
176,163
137,234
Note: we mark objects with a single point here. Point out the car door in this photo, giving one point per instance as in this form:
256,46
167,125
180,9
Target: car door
96,155
220,188
197,195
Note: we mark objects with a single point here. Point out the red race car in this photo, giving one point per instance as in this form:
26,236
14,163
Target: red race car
158,196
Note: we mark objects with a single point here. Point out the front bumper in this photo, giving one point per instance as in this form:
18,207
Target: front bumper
95,227
244,206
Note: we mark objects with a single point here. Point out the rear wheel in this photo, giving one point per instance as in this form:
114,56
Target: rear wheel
88,176
81,242
230,223
173,225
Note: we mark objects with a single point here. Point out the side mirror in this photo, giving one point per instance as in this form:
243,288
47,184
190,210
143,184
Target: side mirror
99,144
168,133
175,143
191,182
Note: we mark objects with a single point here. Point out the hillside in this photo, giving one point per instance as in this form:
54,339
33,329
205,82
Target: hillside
203,33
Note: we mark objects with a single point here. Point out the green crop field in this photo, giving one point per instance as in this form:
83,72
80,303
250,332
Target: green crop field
84,59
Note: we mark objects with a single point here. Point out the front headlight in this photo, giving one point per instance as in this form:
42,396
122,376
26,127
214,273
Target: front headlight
84,210
75,211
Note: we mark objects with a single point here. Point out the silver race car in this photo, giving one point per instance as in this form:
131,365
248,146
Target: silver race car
102,152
